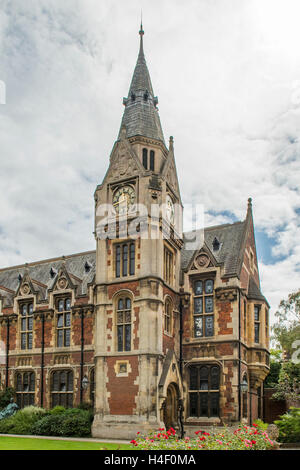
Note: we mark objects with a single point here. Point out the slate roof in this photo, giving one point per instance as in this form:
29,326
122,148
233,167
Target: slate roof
229,254
141,115
40,272
254,292
230,237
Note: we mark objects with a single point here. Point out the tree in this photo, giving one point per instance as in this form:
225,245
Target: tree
275,366
286,330
288,387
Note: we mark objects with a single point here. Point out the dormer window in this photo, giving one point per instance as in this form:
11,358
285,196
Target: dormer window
87,267
146,95
132,97
216,244
53,273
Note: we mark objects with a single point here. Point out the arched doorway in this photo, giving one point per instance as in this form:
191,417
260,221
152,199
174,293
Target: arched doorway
171,407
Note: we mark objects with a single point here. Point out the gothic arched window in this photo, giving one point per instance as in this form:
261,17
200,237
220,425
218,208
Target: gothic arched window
124,324
168,316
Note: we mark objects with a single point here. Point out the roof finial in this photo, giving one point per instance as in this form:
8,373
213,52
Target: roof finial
141,32
249,208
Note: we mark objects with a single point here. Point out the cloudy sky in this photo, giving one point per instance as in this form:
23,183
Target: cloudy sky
227,74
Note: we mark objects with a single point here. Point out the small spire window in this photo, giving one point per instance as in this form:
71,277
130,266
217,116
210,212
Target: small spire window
145,159
152,160
146,95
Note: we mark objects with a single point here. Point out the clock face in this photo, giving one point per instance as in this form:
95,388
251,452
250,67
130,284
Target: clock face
123,198
170,211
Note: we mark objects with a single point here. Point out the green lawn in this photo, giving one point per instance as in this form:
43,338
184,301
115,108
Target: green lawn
27,443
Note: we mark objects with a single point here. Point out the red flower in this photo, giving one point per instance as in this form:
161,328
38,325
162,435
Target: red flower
253,442
134,442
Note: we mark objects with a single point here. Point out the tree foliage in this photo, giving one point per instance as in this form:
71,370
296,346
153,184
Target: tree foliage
286,330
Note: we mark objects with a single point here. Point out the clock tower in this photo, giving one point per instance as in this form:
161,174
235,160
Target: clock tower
138,229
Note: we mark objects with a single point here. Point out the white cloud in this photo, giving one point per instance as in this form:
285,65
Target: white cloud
227,76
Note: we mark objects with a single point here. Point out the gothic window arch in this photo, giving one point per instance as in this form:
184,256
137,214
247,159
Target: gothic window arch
124,322
168,309
62,387
204,390
25,388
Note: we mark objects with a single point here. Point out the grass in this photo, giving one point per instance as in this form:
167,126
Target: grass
28,443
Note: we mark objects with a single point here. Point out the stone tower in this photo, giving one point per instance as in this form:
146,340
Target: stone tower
139,239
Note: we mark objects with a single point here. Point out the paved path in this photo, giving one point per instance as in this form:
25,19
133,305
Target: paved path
76,439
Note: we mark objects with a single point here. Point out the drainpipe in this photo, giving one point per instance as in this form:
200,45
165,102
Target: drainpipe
180,367
7,353
42,360
239,352
82,355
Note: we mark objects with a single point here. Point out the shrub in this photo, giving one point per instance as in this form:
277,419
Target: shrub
22,421
289,426
57,410
261,425
49,425
243,438
71,422
5,397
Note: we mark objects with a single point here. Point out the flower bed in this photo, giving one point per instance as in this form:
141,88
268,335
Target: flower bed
243,438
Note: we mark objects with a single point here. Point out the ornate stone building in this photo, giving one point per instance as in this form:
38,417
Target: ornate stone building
146,329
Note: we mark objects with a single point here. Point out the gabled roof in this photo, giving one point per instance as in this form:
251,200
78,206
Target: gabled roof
40,275
141,116
230,237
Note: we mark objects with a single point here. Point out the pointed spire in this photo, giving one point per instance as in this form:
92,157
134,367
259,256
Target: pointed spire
141,33
141,115
249,205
